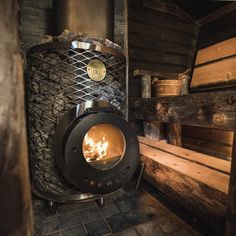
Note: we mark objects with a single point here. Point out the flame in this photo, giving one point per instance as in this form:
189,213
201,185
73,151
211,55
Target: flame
94,150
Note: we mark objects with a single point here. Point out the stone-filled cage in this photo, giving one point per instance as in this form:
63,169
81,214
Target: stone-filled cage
57,81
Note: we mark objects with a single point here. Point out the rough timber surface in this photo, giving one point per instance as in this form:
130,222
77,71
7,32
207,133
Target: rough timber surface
199,189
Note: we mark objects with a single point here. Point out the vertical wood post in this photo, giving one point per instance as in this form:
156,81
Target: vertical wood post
175,134
230,229
15,197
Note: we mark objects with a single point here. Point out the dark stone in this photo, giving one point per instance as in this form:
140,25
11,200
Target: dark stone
127,232
79,230
98,228
69,219
118,223
150,229
136,217
109,209
123,203
47,225
89,215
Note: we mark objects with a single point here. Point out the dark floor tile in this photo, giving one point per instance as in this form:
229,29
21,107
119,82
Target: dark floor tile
91,214
123,203
169,224
109,209
47,225
149,228
58,233
41,210
127,232
97,228
65,207
79,230
118,223
69,219
85,205
136,217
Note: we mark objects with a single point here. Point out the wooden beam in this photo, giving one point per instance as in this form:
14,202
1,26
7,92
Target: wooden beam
196,157
230,228
199,189
174,134
15,196
216,51
212,109
217,14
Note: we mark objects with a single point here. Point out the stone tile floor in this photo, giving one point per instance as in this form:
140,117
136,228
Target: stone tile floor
126,213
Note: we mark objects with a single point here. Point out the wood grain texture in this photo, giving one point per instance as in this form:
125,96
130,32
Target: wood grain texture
188,184
219,50
220,72
230,228
15,196
199,158
212,109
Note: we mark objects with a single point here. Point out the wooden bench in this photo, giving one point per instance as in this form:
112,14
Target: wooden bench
196,181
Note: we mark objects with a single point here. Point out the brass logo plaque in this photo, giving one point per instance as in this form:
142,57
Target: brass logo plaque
96,70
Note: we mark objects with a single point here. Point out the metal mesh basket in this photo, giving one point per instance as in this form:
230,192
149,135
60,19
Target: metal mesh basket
57,81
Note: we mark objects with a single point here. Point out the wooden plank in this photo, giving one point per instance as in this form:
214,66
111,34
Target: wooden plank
155,19
215,149
214,135
215,73
145,42
202,159
15,196
174,134
230,228
160,34
197,188
141,72
217,14
216,51
162,6
151,56
210,110
161,67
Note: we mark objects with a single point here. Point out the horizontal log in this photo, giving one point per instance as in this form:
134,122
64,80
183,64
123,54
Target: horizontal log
211,110
216,51
140,72
152,56
160,20
201,190
216,149
220,72
160,33
199,158
161,67
160,46
213,135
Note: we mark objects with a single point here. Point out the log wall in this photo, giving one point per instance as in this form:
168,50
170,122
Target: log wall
15,197
160,38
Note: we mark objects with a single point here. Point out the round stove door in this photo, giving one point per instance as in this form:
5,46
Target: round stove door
95,148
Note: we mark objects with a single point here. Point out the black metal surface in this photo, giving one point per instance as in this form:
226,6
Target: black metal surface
58,81
69,154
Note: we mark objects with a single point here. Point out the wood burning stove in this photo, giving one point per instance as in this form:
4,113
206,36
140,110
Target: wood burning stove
80,144
95,148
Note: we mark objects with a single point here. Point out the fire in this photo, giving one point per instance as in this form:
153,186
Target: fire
94,150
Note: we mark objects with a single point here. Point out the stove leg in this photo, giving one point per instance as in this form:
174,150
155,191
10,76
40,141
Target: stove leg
140,175
100,201
51,205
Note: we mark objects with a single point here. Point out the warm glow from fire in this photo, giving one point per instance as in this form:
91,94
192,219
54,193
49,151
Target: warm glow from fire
94,150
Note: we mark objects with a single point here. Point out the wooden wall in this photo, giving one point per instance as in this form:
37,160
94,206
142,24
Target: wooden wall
160,38
213,142
15,197
218,30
